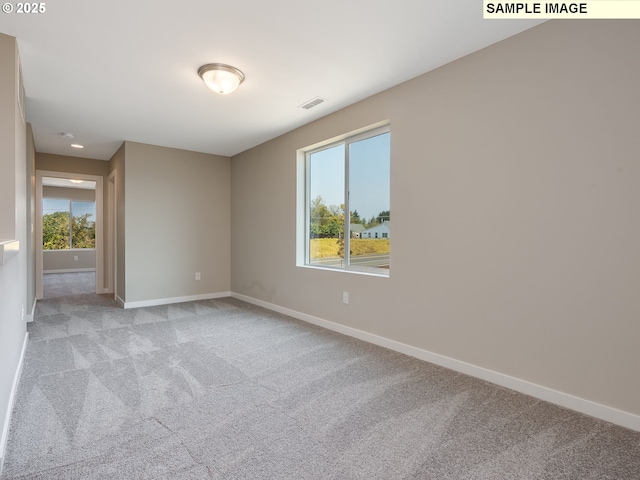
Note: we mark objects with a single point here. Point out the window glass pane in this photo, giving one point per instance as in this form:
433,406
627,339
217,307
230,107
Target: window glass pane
83,225
326,206
369,201
55,224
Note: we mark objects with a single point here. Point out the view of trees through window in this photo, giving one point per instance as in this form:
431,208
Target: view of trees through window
68,224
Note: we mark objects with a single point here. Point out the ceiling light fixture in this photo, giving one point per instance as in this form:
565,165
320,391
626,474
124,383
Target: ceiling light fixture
76,181
221,78
77,145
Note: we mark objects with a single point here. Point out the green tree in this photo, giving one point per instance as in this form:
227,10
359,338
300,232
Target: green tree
325,222
335,224
318,214
55,231
83,231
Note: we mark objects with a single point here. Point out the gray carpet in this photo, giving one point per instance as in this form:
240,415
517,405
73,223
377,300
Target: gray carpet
64,284
220,389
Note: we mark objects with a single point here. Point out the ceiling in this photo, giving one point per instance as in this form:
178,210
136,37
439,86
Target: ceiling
109,71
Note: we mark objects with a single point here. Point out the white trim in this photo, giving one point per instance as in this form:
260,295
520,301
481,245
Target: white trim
603,412
72,250
370,271
12,400
31,316
70,270
168,301
119,300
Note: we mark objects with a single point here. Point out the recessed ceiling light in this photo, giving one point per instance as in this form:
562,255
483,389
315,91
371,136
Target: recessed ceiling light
77,145
221,78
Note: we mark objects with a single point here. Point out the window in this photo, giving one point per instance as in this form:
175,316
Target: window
350,175
68,224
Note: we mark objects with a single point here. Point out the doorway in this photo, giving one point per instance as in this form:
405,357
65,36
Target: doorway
44,178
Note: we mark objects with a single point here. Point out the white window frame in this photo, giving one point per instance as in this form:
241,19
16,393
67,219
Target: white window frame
303,201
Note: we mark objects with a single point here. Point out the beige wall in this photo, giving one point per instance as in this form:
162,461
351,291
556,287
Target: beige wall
60,261
13,225
116,167
514,192
177,223
64,163
7,137
80,194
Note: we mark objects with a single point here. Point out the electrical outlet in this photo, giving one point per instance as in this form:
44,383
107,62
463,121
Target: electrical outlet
75,258
197,275
345,298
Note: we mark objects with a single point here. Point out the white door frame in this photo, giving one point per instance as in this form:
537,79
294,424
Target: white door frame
99,226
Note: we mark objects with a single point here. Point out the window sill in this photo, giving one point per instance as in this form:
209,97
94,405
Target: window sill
8,249
71,250
355,270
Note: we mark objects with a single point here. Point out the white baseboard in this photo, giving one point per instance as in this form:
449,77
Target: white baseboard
12,400
70,270
119,300
29,317
603,412
168,301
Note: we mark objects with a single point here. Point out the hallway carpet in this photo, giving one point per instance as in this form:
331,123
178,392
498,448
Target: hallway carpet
65,284
220,389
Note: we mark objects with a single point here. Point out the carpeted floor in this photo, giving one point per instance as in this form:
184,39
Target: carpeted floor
220,389
64,284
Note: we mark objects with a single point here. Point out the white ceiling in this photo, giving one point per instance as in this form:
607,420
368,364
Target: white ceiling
116,70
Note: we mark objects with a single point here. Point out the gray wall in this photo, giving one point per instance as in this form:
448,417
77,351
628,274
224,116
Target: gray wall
13,225
514,192
177,223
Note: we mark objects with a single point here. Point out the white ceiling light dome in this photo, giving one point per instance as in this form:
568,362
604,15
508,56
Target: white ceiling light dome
221,78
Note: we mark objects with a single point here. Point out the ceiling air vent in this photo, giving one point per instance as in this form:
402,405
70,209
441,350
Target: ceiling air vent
311,103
